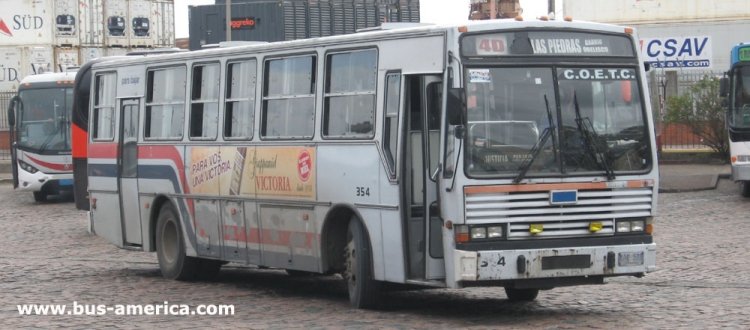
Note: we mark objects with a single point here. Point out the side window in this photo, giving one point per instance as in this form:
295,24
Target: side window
204,101
289,98
104,107
351,79
165,103
390,125
240,100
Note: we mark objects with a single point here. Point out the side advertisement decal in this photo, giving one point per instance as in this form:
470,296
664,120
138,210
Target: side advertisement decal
253,171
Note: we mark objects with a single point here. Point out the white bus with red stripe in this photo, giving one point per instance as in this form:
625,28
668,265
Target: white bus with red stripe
40,125
502,153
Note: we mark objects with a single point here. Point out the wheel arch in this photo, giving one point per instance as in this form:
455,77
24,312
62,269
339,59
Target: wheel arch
158,202
333,236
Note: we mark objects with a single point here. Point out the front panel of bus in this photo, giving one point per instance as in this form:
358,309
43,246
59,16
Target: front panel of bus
552,158
738,115
42,136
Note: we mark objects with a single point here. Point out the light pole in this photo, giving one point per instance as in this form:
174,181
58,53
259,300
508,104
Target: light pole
229,19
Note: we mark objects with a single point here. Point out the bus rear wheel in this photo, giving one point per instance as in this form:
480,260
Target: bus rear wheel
520,295
364,291
170,247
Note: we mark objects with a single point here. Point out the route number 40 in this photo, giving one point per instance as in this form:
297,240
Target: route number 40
363,191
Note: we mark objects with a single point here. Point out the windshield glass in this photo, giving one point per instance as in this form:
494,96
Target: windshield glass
44,119
739,114
513,114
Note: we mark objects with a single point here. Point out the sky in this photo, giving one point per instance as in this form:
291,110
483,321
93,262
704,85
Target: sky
432,11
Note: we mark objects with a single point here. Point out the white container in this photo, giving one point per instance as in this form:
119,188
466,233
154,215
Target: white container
26,22
140,23
656,11
65,58
91,23
90,53
163,24
65,23
116,24
116,51
16,62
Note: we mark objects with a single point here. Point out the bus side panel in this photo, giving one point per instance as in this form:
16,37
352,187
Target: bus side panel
288,237
105,205
161,171
351,176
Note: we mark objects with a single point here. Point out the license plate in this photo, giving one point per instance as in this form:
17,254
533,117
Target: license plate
65,182
625,259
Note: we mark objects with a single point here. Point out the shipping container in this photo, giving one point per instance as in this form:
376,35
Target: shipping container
91,13
26,22
656,11
163,25
90,53
66,58
140,23
16,62
279,20
116,23
66,23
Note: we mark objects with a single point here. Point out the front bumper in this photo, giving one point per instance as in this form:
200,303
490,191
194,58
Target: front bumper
36,181
741,172
635,259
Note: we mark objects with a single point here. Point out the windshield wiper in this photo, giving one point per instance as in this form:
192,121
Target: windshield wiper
591,140
547,133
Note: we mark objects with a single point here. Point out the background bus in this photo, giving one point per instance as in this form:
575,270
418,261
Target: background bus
736,89
39,117
501,153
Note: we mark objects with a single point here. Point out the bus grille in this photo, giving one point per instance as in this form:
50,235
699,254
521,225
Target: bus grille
520,210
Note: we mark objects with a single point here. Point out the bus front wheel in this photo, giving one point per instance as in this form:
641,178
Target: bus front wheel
521,294
40,196
170,247
745,188
364,291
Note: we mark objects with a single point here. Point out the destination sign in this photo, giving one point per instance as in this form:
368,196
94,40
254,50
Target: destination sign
547,43
744,54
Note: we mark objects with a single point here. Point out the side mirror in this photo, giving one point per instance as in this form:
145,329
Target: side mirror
456,106
724,87
12,111
647,66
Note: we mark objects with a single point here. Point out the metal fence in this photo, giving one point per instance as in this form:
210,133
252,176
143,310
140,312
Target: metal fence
664,84
4,128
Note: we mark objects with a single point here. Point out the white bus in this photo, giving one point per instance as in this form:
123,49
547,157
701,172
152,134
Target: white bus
39,117
499,153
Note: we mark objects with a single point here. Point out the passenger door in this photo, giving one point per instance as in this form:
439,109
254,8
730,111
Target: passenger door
424,235
128,170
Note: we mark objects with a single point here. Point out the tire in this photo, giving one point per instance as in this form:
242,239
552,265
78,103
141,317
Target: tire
745,188
170,247
40,196
519,295
364,291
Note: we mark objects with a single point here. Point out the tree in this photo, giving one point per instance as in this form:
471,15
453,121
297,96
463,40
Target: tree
701,111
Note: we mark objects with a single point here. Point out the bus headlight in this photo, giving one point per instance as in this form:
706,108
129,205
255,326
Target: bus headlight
494,232
478,233
27,167
631,226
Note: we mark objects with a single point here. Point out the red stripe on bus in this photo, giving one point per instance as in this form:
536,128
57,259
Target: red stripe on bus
168,153
53,166
555,186
103,150
80,141
267,236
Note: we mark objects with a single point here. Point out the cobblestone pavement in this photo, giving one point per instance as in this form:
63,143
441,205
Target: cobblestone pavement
703,281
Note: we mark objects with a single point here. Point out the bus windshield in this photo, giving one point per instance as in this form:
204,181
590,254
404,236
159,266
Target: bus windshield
44,119
552,121
739,114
